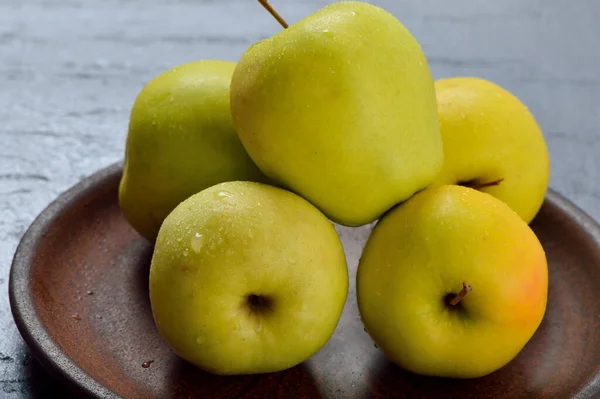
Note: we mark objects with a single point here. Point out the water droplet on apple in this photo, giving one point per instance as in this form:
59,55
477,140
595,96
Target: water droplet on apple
223,194
200,340
325,30
257,203
196,242
185,253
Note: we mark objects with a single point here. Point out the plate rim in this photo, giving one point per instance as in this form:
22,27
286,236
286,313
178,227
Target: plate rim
29,325
69,373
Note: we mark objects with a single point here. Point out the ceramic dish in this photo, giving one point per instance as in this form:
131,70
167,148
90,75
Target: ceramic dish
79,295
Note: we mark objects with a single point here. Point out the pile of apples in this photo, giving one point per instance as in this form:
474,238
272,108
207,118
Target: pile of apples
238,172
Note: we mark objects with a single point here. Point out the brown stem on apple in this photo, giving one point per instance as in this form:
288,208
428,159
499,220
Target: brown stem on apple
478,186
274,13
459,297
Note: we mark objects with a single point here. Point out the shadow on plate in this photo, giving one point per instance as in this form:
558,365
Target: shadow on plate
188,380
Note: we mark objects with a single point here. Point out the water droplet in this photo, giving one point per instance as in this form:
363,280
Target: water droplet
223,194
257,203
147,364
259,327
76,316
200,340
325,30
353,13
196,242
185,253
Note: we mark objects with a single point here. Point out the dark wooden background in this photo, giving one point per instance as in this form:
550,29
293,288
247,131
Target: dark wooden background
70,70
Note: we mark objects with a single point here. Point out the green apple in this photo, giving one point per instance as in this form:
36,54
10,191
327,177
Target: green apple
247,278
180,141
492,143
340,108
452,283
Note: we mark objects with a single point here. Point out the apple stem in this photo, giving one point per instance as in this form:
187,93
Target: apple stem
459,297
274,13
478,186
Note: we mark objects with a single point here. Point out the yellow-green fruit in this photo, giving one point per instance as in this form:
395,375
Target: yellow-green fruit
180,141
340,108
247,278
415,263
492,143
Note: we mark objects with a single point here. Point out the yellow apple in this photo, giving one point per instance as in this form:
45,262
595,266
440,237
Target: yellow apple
340,108
247,278
180,141
452,283
492,143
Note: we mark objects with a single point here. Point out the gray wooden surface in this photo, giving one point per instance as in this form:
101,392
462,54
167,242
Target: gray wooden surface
70,70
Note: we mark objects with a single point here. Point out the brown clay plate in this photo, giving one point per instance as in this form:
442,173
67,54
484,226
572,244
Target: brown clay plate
78,292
